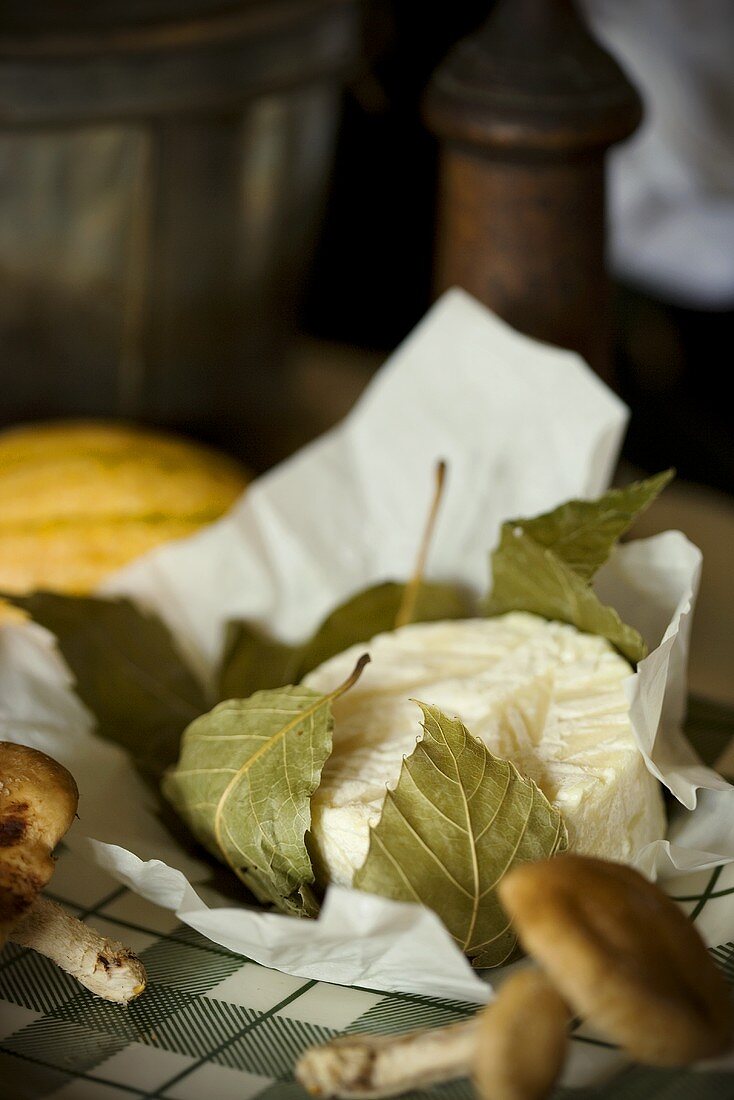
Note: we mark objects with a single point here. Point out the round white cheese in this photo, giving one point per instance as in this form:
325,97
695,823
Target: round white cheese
538,693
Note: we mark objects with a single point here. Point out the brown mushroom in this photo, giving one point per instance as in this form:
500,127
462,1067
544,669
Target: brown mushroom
623,956
612,948
38,801
514,1049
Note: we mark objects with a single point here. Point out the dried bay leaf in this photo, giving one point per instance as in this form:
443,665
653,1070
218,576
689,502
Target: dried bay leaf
528,577
252,660
582,533
544,565
243,785
244,782
373,611
127,671
457,820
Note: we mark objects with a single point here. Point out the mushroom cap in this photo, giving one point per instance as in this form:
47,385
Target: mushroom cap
623,956
38,801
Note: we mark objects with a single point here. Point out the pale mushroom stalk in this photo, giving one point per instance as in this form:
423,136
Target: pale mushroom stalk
105,967
387,1065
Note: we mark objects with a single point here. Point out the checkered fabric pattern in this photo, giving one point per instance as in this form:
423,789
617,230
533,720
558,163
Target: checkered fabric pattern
215,1026
210,1026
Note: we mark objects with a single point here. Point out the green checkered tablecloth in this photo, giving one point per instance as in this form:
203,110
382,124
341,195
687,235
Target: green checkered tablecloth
215,1026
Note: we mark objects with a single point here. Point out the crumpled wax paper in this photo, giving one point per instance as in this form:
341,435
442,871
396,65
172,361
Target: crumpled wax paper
523,427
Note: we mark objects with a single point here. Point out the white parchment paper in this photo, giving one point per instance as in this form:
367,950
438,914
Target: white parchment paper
523,427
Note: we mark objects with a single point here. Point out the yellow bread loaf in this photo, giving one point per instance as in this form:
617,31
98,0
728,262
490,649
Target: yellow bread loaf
80,499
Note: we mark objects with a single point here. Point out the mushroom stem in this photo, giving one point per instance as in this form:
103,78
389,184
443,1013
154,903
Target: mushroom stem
522,1040
386,1065
514,1049
105,967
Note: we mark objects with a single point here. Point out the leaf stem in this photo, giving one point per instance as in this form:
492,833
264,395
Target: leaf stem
354,675
410,596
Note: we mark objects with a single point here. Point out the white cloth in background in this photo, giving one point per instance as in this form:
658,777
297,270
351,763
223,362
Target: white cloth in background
672,184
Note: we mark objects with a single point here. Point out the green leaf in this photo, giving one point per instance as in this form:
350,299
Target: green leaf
456,822
252,660
127,671
544,565
527,577
244,783
373,611
582,533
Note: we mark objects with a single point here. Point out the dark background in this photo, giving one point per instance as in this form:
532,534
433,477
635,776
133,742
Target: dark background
365,277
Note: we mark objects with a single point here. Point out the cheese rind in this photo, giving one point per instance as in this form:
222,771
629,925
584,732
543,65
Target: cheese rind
539,693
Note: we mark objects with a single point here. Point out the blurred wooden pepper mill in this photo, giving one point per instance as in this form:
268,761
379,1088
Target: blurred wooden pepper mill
525,110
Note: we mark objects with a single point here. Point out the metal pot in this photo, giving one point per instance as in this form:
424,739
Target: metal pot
162,175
